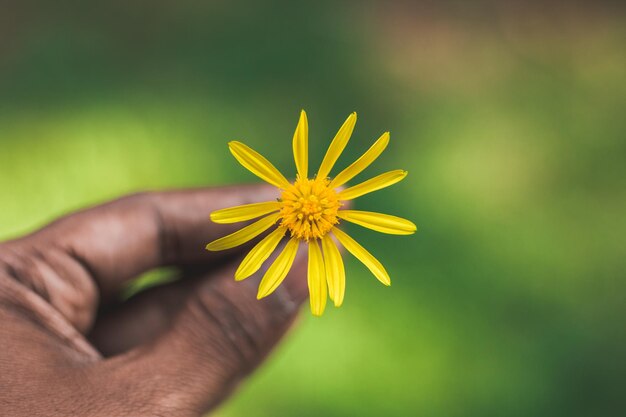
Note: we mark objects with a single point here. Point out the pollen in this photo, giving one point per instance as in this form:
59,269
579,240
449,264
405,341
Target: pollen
309,208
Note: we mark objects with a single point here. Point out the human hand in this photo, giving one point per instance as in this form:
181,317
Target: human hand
69,346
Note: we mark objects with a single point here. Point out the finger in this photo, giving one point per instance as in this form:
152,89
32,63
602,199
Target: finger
220,335
117,241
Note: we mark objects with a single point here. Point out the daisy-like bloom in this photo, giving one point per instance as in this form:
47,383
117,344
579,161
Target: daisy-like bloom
308,212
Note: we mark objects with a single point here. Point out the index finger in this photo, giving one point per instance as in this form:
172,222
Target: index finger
121,239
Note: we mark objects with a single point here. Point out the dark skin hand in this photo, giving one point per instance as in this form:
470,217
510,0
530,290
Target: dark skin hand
70,347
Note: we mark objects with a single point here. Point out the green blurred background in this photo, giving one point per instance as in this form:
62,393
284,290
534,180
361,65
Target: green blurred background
509,116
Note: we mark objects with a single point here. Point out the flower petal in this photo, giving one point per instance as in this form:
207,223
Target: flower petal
363,255
259,254
245,212
373,184
384,223
301,146
257,164
316,279
337,146
241,236
363,162
335,272
277,272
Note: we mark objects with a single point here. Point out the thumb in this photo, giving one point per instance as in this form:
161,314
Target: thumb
222,333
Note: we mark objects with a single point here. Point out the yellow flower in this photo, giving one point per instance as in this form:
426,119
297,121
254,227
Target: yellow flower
309,211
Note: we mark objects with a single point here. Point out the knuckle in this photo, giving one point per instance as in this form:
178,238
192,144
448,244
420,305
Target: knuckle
56,279
167,241
23,270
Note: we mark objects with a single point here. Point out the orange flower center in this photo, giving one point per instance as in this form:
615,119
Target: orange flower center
309,208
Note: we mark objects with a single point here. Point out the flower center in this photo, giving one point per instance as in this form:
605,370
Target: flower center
309,208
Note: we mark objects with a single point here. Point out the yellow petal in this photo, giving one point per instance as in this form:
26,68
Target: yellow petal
363,162
363,255
384,223
277,272
301,146
316,279
335,272
243,235
259,254
336,146
257,164
243,213
373,184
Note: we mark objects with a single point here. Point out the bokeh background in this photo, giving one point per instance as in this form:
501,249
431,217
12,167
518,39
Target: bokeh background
509,116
